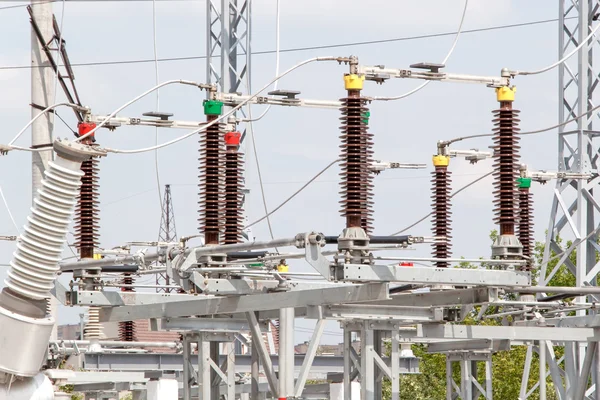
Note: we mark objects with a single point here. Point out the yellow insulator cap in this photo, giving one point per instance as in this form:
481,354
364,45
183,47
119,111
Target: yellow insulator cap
441,161
97,256
506,93
353,81
283,268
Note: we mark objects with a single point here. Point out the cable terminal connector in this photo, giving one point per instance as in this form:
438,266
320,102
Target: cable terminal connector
472,155
544,177
377,166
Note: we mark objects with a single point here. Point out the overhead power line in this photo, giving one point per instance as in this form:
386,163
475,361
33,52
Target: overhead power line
294,49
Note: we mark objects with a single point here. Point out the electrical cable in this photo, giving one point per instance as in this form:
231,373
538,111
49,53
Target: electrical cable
65,123
43,112
225,115
294,194
421,86
8,211
451,196
277,57
147,92
259,173
251,125
458,139
297,49
157,80
562,60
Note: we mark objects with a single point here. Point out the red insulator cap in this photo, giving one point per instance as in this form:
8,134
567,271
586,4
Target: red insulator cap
85,127
406,264
233,138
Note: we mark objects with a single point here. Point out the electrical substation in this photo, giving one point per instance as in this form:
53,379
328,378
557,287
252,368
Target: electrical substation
218,319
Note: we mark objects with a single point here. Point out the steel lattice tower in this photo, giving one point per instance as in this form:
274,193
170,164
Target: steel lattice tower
166,234
228,37
574,209
228,49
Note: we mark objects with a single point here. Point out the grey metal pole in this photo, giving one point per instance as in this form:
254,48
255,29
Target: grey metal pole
187,376
255,372
449,379
347,363
42,95
542,347
286,352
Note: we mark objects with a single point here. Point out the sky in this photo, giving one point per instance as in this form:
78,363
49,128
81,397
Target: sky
293,144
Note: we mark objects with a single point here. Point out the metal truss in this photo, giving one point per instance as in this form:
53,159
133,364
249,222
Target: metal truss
228,40
574,208
166,234
469,388
369,365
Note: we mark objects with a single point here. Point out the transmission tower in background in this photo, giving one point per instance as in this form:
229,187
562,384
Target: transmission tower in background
166,234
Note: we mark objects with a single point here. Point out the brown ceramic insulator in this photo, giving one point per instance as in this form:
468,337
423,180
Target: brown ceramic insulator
357,157
442,223
87,211
506,167
525,227
234,183
211,182
127,328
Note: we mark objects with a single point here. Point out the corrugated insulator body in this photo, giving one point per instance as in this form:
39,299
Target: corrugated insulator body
441,214
234,183
127,328
35,263
93,327
525,227
87,213
506,167
357,157
211,181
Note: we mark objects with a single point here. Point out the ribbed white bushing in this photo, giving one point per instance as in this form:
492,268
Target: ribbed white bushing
35,263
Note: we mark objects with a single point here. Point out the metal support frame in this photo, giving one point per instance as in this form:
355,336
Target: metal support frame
167,234
470,388
208,305
574,206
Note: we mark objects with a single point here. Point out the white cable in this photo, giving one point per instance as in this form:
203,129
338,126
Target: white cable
44,111
157,100
8,211
179,81
422,85
226,115
250,121
277,57
147,92
562,60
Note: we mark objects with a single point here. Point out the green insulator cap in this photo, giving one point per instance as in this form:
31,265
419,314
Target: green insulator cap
256,265
213,107
524,183
366,116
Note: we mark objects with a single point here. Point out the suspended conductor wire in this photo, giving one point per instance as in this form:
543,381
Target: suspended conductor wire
562,60
43,112
157,80
180,138
227,114
591,110
251,126
297,192
277,57
421,86
8,211
451,196
258,170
